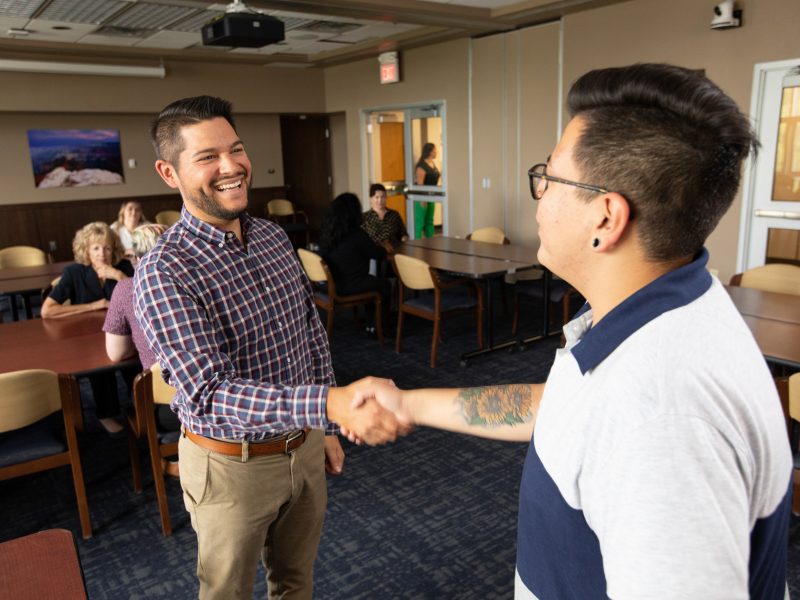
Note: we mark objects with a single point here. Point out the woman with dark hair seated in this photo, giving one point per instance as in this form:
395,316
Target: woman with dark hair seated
382,223
87,286
348,249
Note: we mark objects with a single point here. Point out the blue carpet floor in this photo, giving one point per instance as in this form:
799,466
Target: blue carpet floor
432,516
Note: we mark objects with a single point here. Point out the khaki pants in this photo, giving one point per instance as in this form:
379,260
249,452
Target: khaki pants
270,506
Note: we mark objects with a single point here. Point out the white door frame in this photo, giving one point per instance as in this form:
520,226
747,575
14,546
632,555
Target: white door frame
746,225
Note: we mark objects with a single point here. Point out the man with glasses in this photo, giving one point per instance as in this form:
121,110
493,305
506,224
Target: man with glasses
659,465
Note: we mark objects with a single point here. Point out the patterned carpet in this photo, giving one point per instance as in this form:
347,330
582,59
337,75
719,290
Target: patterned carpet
432,516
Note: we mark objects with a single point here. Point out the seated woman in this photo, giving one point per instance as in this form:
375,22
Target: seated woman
124,337
88,285
129,218
383,224
348,249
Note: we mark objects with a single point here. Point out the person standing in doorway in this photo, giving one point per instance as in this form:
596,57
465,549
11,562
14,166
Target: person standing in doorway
425,173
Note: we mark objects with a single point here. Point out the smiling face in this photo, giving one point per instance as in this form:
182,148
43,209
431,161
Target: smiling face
100,250
213,172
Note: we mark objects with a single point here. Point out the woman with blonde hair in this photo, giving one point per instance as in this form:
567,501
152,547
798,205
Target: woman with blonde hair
129,218
87,286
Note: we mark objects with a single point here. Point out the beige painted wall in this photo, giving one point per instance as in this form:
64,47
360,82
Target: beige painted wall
678,32
252,89
429,74
40,101
261,134
515,79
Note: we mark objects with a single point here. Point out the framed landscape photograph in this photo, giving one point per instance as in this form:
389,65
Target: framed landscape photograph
75,157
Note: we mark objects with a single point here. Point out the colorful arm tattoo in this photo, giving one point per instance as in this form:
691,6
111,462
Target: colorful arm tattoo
496,405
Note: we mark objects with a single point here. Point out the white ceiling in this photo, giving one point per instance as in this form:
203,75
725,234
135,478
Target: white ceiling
317,32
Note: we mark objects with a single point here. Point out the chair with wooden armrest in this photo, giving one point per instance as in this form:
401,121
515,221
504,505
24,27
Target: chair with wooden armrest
327,299
439,298
774,277
149,391
168,218
13,257
40,414
282,212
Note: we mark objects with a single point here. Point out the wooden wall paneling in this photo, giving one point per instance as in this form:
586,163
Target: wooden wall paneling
39,224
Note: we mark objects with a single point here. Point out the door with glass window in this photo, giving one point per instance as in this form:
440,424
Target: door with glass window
405,152
771,219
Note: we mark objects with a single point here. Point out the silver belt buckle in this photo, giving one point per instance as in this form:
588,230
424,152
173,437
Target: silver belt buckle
300,433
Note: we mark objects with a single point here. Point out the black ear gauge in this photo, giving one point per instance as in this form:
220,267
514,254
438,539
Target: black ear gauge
595,242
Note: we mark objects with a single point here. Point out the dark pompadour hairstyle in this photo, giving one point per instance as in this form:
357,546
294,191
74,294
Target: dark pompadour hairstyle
165,132
670,141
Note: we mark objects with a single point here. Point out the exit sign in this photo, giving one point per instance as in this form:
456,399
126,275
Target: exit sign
390,67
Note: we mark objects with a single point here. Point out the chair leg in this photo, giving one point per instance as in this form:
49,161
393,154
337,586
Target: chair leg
515,314
160,485
378,320
479,319
329,326
435,343
400,315
136,463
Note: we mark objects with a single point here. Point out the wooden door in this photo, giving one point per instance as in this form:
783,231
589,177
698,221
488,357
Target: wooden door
305,143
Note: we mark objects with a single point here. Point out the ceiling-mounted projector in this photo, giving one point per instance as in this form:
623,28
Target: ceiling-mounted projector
242,29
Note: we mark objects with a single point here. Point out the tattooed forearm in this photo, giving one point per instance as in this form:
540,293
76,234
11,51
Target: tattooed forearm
496,405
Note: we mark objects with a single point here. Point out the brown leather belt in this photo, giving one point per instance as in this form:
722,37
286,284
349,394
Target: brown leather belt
245,449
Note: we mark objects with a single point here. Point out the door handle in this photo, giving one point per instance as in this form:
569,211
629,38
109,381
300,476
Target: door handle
777,214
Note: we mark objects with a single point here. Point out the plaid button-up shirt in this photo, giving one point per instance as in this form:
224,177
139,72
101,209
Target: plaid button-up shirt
235,330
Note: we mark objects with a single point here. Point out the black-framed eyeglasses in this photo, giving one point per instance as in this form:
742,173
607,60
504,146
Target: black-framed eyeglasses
539,178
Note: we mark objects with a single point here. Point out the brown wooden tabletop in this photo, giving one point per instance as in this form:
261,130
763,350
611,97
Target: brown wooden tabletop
72,345
23,279
463,264
765,305
509,252
778,341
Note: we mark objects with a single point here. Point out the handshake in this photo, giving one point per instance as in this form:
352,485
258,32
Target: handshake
371,410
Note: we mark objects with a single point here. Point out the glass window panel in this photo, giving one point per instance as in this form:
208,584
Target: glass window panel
783,246
786,183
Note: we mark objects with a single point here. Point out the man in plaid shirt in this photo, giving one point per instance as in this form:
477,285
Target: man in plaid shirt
229,313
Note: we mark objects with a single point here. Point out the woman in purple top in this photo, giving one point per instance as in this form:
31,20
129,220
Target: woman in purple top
124,337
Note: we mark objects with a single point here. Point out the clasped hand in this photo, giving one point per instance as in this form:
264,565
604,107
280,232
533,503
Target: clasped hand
369,411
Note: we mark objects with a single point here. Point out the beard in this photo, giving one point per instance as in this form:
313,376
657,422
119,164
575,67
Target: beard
212,208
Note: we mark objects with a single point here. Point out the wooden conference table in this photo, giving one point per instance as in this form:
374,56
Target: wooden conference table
18,280
774,320
478,260
72,345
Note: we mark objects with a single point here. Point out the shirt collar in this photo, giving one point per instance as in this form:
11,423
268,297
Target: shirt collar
672,290
209,233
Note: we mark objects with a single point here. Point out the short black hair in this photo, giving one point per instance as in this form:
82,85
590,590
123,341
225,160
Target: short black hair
376,187
670,141
165,132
